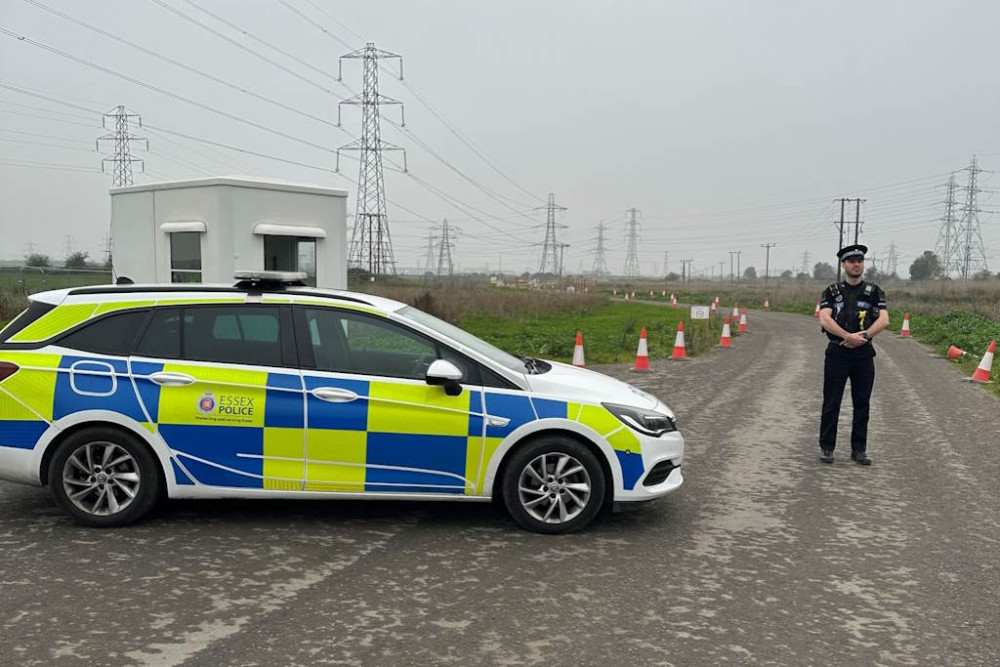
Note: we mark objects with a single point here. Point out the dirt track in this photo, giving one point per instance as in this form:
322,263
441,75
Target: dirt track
766,556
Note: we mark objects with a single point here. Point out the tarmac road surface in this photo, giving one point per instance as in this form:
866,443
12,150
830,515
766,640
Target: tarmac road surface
765,556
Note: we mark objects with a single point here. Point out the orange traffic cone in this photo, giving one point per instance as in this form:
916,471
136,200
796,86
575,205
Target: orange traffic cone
679,349
711,308
578,351
642,354
650,294
633,295
672,297
816,312
767,305
716,300
663,292
736,311
982,374
743,322
674,303
905,331
614,292
727,337
626,296
954,353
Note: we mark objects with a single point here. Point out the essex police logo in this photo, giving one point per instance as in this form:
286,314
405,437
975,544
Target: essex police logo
206,404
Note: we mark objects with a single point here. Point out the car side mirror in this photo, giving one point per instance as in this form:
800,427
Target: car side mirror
443,373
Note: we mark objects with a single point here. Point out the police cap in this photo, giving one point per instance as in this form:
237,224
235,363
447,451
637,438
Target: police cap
852,251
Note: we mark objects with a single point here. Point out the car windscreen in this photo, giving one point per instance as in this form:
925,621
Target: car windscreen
464,338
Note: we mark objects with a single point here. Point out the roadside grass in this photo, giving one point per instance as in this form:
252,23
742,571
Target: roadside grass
610,332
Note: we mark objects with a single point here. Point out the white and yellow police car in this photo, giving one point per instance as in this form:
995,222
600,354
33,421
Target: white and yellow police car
113,396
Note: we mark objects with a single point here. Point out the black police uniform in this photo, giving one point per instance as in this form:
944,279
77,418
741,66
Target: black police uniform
855,308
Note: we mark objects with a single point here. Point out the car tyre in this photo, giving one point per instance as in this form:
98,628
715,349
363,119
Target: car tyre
104,478
553,485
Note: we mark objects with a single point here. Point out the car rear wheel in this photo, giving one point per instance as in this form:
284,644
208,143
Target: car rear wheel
104,478
555,485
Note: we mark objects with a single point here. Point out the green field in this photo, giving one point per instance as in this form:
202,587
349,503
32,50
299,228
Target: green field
610,332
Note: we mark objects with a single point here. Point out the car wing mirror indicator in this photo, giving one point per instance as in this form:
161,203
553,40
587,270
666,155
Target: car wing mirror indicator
443,373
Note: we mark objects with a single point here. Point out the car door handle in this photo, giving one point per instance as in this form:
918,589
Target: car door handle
334,394
171,379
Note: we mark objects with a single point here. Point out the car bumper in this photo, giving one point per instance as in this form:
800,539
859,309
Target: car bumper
662,458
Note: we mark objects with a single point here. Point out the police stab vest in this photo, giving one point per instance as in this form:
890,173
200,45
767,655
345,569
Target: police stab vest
853,315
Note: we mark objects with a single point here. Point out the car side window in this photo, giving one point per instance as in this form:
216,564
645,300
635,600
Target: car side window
114,334
162,338
238,334
345,342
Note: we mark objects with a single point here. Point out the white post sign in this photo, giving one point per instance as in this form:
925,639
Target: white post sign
699,312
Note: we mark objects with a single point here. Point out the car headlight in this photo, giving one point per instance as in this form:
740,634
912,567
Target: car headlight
645,421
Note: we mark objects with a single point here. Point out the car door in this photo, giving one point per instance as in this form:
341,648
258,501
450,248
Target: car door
374,424
220,384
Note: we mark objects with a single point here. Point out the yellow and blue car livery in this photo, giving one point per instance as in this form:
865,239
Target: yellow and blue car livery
290,429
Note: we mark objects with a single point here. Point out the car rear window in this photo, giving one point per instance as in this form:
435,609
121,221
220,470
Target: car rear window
35,310
114,334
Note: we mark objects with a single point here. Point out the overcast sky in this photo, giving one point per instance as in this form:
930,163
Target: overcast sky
728,124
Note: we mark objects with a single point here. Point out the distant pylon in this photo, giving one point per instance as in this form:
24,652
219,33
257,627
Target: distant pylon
445,265
632,236
600,261
371,245
550,250
121,175
429,260
970,254
945,246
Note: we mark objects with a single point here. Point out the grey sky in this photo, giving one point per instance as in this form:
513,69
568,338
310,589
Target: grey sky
729,124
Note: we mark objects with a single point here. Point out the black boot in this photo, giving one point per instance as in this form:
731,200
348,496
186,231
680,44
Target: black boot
826,455
861,458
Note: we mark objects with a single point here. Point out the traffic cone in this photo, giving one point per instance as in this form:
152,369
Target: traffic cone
954,353
711,308
727,338
905,331
614,292
716,300
642,354
626,296
672,297
982,374
633,295
679,350
578,351
816,312
743,322
767,305
674,303
663,292
650,294
736,311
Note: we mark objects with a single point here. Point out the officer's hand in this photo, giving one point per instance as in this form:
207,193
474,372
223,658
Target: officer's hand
853,340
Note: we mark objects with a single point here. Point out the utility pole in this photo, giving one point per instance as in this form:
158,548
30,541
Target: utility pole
371,245
857,220
732,276
721,274
445,265
562,248
738,253
947,240
121,160
767,263
600,260
666,257
840,243
551,247
971,253
632,236
805,263
686,270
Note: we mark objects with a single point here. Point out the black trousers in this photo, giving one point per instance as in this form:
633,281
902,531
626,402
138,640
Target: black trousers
842,364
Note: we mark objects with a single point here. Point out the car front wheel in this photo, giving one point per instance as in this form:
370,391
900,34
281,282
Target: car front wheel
554,485
104,478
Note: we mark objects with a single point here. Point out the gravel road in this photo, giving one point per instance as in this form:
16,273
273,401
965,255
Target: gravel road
765,556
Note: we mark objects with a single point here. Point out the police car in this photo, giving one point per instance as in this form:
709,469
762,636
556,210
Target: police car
115,396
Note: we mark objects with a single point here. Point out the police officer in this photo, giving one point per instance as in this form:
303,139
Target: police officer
852,312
